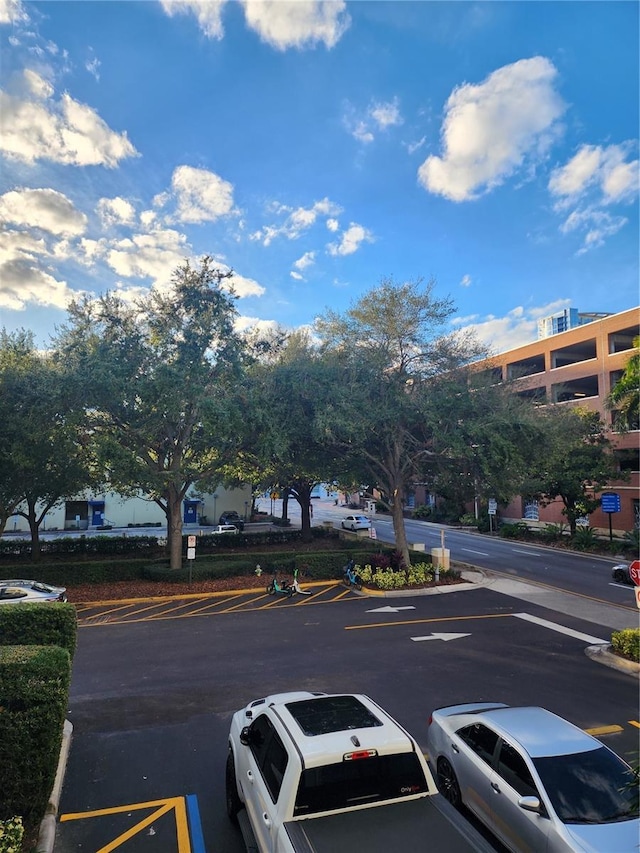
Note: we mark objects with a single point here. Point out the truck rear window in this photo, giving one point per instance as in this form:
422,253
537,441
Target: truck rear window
355,783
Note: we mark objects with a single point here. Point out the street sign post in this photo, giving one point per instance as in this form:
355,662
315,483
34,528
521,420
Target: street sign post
634,572
191,553
610,502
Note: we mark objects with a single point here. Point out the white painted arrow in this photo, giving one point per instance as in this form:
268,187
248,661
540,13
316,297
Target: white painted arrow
444,637
389,609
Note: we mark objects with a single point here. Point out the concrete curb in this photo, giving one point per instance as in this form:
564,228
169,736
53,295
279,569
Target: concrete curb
47,833
604,655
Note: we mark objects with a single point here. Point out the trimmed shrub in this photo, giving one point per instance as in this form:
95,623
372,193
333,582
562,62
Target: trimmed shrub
519,530
627,643
585,539
39,625
74,573
34,691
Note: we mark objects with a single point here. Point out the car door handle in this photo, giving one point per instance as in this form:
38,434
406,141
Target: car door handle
496,787
265,818
454,748
250,776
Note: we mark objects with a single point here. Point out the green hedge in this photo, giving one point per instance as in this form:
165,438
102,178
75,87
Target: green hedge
74,573
11,833
627,643
39,625
34,690
312,565
81,546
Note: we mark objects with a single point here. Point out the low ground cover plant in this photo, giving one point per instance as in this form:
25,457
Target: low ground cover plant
626,643
418,575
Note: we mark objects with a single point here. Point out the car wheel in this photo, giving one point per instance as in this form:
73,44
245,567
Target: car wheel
234,803
619,577
448,783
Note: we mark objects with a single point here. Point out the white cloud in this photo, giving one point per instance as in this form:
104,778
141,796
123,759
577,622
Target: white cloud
279,23
115,211
492,128
46,209
12,12
243,286
37,128
465,281
351,240
593,180
200,195
244,324
412,147
305,261
23,283
154,255
333,224
386,114
604,169
518,327
296,275
298,221
208,13
297,23
93,67
380,115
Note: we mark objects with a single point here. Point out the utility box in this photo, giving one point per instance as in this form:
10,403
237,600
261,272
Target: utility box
440,557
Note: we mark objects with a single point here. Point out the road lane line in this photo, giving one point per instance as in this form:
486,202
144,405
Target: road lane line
587,638
471,551
425,621
528,553
197,838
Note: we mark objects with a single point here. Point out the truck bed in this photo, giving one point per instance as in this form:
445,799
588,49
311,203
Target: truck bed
428,825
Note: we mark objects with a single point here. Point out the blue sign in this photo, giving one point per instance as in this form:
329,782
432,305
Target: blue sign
610,502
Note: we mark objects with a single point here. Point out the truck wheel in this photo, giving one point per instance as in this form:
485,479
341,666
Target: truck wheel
234,803
448,783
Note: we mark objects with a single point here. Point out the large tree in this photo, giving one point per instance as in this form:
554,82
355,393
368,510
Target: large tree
394,346
44,452
287,398
155,379
574,464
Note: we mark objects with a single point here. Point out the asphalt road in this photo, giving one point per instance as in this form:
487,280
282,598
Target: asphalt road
151,701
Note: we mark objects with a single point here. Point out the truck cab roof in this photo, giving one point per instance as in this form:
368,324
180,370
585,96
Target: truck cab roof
333,727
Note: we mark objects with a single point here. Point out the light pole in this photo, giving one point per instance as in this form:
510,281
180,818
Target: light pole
215,514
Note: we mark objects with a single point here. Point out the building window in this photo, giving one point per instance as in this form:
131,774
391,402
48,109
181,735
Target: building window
526,366
574,389
628,459
583,351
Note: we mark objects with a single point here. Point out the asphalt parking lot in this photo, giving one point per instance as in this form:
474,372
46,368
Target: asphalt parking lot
153,692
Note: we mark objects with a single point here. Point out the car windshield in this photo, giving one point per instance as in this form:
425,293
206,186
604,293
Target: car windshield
589,787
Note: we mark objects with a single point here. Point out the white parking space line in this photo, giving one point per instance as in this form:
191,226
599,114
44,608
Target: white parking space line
587,638
471,551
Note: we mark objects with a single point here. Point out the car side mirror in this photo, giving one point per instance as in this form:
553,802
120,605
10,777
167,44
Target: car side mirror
245,736
530,804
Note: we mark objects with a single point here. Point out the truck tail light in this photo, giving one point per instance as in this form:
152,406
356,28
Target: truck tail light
361,753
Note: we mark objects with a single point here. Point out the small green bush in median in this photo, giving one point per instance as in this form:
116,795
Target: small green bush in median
39,625
627,643
11,832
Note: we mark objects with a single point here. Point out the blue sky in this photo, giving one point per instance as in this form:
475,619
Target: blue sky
317,147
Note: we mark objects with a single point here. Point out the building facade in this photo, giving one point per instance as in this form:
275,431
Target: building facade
91,511
579,367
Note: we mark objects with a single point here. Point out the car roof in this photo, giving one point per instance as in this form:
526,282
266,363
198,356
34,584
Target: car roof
540,732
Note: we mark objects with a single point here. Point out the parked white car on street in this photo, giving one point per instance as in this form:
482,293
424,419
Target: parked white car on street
356,522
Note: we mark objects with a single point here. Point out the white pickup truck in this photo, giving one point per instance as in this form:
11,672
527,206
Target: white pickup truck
324,773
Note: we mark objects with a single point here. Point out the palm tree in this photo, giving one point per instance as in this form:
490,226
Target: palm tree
625,394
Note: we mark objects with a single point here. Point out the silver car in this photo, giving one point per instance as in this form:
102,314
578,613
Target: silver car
536,781
16,591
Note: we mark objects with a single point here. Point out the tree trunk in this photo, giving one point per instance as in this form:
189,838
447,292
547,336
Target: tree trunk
303,496
285,504
34,529
174,529
398,526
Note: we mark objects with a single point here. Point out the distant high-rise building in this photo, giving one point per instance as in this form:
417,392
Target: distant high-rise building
566,319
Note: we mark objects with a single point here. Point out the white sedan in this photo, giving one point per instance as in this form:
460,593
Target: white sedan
535,780
356,522
15,591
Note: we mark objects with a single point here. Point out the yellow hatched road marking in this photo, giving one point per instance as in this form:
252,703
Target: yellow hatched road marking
184,604
161,807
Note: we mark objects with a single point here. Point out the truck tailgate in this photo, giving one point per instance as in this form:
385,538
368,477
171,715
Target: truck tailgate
429,824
